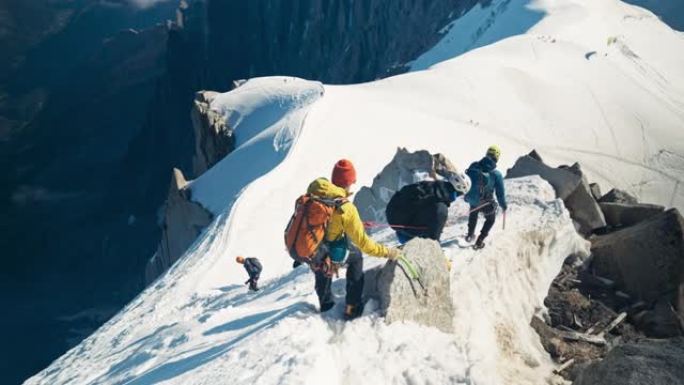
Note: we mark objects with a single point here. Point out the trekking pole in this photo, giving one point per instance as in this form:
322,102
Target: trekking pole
504,220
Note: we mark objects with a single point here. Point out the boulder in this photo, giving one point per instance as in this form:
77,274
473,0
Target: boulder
660,322
570,185
626,214
405,168
618,196
645,260
584,209
652,362
595,190
183,221
564,182
401,298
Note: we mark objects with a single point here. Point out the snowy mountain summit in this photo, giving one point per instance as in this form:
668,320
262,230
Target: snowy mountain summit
595,81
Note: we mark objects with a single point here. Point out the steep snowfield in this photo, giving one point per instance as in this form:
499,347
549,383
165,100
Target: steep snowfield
596,81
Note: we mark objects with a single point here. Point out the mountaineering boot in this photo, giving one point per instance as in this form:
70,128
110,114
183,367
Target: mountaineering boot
469,238
253,285
479,244
352,311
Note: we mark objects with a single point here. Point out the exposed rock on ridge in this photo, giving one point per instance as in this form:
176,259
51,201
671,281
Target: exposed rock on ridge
571,186
650,362
405,168
402,298
213,138
183,221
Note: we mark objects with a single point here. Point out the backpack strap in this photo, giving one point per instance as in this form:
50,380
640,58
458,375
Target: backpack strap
482,183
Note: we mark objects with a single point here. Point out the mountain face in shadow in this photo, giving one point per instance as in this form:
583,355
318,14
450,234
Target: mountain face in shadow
73,92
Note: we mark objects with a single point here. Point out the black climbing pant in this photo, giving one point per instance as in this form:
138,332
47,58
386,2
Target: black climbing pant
354,281
489,212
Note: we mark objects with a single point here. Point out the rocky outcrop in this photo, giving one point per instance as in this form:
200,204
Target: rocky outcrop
213,138
595,190
183,221
582,322
563,181
631,287
402,298
618,196
624,214
570,185
646,260
583,206
659,321
645,362
405,168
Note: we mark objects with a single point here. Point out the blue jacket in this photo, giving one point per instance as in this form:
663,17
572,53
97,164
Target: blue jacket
493,183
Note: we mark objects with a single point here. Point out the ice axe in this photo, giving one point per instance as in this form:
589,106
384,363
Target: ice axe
411,272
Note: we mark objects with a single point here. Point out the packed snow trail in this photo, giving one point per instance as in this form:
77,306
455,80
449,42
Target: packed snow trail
585,83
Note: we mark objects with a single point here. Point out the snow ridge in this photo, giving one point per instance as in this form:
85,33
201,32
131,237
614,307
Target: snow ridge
173,333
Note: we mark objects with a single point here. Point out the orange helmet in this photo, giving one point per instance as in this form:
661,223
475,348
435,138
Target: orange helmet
240,259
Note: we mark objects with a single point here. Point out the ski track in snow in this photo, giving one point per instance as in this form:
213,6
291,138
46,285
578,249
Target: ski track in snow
619,112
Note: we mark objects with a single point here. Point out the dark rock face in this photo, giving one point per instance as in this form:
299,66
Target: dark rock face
624,214
323,39
585,210
661,321
183,221
653,362
595,190
646,260
214,139
618,196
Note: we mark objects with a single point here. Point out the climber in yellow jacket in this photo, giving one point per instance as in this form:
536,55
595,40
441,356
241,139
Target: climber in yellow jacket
345,241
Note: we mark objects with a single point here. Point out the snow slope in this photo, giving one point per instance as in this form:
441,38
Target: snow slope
181,333
596,81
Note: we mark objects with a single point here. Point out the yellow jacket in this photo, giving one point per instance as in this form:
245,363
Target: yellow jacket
345,219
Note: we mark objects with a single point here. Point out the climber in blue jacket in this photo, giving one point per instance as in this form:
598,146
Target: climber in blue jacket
485,181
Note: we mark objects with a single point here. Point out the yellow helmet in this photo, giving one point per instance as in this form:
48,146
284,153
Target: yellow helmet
494,151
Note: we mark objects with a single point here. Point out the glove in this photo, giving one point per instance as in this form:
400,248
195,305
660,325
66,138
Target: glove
393,253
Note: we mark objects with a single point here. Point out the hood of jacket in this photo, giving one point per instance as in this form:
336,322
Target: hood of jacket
487,164
324,188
